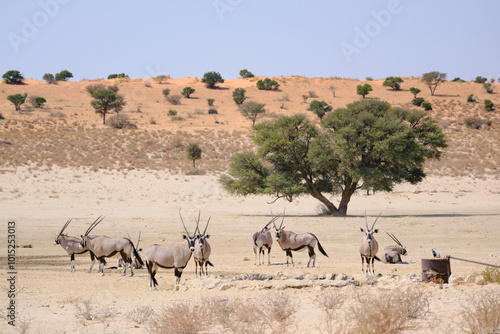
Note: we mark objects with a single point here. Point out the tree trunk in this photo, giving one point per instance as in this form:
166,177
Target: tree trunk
104,118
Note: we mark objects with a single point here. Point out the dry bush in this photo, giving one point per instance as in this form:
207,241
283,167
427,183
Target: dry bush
141,314
481,314
388,311
473,122
120,121
312,94
160,78
491,275
195,171
330,301
179,318
279,309
85,309
174,99
94,87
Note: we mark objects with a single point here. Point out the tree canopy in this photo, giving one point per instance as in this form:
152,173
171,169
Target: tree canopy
13,77
393,82
210,79
433,79
368,144
364,90
106,100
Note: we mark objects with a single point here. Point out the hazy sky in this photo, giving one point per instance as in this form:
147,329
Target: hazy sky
355,39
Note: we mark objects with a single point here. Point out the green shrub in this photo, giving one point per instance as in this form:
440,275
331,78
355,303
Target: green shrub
267,84
39,101
172,112
489,88
457,79
305,97
491,275
166,92
212,111
320,108
427,105
64,75
193,152
393,82
471,99
414,91
187,91
210,79
116,76
239,96
246,74
364,90
417,101
480,79
49,78
210,102
13,77
488,105
369,79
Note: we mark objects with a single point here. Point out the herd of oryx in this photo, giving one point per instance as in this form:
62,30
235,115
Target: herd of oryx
177,255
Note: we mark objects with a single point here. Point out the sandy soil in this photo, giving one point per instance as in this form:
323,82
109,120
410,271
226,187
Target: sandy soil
42,184
457,216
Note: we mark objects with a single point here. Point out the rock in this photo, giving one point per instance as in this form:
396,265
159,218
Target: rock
225,286
338,283
470,279
480,280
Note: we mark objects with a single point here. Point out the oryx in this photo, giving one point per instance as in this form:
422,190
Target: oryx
103,246
290,241
261,240
72,246
392,254
202,250
175,256
135,261
368,247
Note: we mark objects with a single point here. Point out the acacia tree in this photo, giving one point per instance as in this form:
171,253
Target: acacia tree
364,90
106,100
252,110
368,144
393,82
193,152
17,100
433,79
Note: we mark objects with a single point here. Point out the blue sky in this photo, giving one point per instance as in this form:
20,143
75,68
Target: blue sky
355,39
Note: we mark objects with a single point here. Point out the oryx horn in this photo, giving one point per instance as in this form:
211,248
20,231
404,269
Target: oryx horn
376,220
94,224
64,227
393,237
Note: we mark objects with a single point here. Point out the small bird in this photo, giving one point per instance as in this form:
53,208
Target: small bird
435,253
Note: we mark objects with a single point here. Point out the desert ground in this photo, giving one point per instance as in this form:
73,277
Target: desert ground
61,162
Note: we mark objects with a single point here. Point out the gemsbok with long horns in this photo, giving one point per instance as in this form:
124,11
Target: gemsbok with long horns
72,246
263,239
103,246
135,261
392,254
290,241
175,256
202,250
368,247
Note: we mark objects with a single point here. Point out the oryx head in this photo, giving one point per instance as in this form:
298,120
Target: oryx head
201,237
58,238
369,231
402,249
83,243
190,239
278,230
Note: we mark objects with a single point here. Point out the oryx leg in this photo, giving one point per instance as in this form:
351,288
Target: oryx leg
101,266
268,257
206,269
72,263
312,256
289,254
152,272
178,274
92,257
373,265
362,264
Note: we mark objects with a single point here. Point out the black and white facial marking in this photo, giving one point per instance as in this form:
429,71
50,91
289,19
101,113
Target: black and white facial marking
403,250
191,241
83,243
278,232
369,234
201,239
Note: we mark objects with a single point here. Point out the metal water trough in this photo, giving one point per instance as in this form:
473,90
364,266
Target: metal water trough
438,269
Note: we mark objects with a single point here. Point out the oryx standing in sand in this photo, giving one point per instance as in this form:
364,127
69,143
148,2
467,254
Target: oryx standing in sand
103,246
392,254
368,247
263,239
202,250
290,241
72,246
175,256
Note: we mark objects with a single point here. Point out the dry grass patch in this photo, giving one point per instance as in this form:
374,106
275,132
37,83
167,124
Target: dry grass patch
481,314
